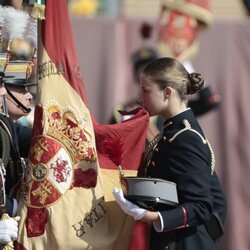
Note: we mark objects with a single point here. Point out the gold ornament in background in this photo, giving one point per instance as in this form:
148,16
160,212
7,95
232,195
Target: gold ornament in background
22,48
83,7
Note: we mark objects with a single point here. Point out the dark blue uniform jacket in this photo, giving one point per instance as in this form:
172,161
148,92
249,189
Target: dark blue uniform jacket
19,147
184,157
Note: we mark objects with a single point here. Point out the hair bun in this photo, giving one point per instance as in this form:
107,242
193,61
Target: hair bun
196,81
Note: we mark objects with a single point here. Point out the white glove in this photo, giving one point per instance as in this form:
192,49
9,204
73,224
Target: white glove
128,207
8,230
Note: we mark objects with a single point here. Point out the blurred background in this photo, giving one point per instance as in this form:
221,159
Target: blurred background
106,33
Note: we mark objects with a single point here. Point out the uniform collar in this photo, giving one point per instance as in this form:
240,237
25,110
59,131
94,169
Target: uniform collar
176,120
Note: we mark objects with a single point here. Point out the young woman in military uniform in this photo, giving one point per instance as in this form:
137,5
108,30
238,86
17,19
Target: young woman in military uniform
181,155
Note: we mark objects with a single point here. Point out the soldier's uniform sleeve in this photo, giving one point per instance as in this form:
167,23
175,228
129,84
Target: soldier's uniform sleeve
24,135
219,200
189,168
9,206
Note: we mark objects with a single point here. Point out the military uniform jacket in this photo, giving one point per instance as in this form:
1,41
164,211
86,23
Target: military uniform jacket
184,156
19,142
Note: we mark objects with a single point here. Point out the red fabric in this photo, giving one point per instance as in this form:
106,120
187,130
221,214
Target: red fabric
37,127
35,222
59,46
58,43
19,246
132,133
140,236
85,179
132,136
35,200
52,148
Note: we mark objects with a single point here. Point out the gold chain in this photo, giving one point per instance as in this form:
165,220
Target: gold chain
149,152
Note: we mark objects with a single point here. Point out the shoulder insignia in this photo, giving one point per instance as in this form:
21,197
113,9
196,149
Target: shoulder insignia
204,140
187,127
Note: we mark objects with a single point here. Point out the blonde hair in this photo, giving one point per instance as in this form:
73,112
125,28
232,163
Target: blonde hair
168,71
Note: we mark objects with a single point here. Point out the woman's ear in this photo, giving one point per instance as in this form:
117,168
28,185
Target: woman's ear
167,92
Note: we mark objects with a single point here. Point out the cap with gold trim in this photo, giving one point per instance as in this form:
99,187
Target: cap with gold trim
15,82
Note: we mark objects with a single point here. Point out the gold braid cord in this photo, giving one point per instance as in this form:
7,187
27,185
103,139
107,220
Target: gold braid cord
149,152
205,141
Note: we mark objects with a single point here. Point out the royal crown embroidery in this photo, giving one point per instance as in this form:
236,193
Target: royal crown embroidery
64,126
62,159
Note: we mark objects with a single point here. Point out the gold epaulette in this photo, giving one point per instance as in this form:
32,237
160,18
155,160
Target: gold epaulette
204,140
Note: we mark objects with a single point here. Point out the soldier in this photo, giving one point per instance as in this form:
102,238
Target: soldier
181,155
15,142
15,139
8,227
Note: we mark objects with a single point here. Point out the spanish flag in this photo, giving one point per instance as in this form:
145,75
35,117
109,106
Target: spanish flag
66,201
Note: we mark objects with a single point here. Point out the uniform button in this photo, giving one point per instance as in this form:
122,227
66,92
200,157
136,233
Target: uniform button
153,163
156,150
166,247
164,138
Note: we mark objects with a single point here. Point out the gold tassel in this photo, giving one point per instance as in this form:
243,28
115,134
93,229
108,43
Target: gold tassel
36,10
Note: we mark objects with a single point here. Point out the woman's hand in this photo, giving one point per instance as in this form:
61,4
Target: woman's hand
136,212
128,207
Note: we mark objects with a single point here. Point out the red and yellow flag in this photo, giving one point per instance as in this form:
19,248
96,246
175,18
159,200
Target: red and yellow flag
66,201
